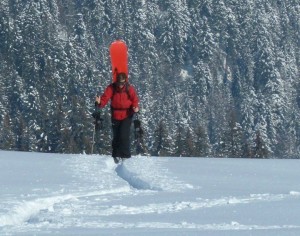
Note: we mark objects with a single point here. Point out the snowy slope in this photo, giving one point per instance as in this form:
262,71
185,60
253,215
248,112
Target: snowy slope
90,195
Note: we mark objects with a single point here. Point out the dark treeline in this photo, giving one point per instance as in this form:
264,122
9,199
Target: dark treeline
215,77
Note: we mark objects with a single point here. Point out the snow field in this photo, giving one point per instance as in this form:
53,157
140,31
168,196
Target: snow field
88,194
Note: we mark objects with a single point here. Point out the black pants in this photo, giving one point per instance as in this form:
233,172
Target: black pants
121,138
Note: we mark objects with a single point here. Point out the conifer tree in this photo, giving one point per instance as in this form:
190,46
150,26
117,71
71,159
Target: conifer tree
162,145
202,144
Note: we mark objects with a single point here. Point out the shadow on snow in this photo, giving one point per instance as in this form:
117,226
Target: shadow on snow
133,180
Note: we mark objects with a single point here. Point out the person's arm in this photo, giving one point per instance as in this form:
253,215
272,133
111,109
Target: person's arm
135,100
105,97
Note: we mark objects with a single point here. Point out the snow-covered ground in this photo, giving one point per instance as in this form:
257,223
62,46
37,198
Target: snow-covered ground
90,195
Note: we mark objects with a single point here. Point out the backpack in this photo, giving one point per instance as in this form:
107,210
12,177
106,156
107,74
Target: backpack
114,87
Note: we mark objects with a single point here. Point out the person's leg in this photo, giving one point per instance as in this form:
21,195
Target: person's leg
116,138
124,138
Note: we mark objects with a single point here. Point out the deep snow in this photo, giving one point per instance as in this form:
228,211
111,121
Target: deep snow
90,195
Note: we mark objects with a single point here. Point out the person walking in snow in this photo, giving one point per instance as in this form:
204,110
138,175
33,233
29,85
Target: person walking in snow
124,103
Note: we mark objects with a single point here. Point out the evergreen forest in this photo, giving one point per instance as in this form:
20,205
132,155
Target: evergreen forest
215,78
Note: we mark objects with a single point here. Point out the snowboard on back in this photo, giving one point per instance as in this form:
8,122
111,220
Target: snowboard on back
119,58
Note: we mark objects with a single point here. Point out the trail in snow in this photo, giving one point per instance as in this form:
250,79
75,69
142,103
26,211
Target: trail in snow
27,210
97,173
145,173
161,208
133,179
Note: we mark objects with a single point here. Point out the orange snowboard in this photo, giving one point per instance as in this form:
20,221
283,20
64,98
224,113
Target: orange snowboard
119,58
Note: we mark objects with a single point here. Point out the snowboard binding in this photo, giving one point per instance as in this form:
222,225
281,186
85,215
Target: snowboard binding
138,136
97,116
138,131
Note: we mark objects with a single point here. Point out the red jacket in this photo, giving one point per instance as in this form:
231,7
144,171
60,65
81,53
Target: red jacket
122,101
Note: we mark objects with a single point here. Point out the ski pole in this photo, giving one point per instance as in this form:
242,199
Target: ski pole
98,123
93,142
94,131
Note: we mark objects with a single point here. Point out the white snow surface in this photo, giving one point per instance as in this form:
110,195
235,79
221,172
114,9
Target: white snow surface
62,194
